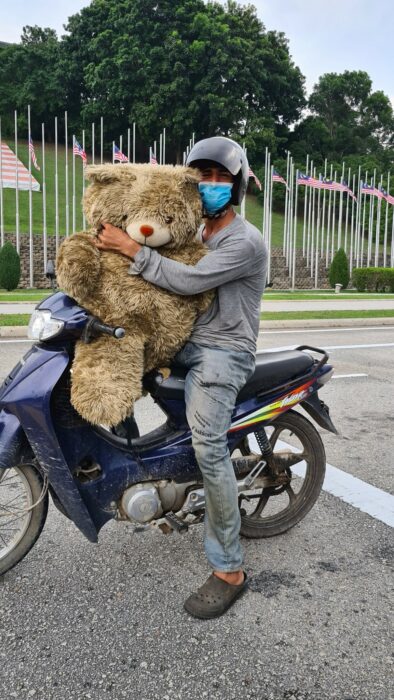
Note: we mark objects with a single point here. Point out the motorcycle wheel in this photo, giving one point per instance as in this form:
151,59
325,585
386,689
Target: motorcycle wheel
274,510
21,524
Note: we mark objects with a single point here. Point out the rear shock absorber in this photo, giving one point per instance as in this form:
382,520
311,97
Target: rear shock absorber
263,443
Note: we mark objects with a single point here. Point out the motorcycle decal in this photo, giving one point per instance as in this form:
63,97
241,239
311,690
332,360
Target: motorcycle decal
275,408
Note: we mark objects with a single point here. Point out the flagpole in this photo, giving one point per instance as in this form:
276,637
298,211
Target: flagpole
66,154
377,232
312,248
30,205
83,180
333,219
17,184
270,228
56,191
44,199
133,142
289,257
371,219
323,212
308,233
1,192
73,187
392,244
328,233
121,143
305,208
363,224
113,152
265,189
294,234
93,137
128,145
286,202
317,256
339,237
347,209
164,146
352,246
101,139
386,220
161,149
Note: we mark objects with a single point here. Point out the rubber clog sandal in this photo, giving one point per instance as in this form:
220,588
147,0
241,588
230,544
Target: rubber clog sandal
214,598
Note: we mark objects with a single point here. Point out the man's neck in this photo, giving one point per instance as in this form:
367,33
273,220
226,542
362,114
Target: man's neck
213,226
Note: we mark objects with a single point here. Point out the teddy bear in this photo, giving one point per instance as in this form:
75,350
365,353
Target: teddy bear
158,206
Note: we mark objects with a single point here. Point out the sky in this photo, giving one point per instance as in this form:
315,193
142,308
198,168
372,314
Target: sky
324,37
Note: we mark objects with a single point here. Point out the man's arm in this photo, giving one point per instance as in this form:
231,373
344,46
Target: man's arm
229,262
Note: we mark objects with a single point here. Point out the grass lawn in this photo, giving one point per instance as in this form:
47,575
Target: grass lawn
14,319
305,315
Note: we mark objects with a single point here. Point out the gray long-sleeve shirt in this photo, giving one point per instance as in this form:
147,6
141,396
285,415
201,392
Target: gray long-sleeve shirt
236,266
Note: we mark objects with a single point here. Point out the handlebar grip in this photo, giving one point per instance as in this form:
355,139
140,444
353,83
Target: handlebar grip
116,332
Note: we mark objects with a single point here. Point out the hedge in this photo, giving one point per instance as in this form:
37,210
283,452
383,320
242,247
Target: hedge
373,279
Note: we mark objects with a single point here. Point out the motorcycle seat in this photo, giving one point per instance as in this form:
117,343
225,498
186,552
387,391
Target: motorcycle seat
272,370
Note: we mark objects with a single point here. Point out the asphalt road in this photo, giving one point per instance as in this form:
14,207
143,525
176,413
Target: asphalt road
82,621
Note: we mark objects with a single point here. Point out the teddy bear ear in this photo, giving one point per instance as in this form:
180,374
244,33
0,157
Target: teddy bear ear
189,175
109,173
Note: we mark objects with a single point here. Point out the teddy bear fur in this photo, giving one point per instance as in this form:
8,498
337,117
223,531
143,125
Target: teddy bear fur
107,373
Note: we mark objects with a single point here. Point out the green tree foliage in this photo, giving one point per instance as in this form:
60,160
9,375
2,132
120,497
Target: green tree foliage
10,267
339,269
29,75
347,120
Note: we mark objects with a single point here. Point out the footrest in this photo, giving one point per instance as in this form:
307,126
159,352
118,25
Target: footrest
176,523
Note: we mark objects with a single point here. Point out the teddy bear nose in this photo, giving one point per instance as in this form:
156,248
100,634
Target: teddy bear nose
146,230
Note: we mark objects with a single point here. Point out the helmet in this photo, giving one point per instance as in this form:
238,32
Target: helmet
227,153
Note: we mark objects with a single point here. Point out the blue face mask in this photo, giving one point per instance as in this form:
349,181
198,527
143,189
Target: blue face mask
215,195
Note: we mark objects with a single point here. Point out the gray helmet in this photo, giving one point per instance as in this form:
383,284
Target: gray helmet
227,153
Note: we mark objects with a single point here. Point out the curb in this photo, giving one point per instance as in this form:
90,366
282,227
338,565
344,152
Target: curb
327,323
21,331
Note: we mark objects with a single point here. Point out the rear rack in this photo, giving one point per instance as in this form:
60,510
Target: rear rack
287,386
318,350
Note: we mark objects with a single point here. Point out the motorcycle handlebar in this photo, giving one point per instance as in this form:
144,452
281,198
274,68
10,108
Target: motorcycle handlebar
94,328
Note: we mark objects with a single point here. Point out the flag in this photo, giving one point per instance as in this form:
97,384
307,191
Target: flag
345,188
153,159
118,155
278,178
256,179
324,184
371,190
78,151
9,175
389,198
307,180
33,154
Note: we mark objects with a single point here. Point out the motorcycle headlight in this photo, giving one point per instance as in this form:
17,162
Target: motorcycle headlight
42,326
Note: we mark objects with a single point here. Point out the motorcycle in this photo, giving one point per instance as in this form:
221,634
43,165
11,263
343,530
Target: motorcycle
95,473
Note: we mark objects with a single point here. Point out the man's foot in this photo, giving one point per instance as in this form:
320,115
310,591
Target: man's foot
215,597
233,577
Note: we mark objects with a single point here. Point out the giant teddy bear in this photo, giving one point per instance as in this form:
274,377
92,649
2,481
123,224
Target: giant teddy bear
163,201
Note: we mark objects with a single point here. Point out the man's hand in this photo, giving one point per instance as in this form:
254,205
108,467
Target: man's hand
112,238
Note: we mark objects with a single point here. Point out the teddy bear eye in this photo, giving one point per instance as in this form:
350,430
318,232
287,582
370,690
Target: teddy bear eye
168,219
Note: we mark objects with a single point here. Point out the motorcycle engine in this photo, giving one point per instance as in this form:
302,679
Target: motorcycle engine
147,501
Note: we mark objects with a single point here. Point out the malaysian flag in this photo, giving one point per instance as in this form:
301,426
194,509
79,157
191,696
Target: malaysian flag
371,190
256,179
78,151
118,155
307,180
278,178
33,154
388,197
345,188
324,184
153,159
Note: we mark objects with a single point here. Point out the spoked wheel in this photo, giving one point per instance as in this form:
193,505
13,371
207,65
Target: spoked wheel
287,497
23,511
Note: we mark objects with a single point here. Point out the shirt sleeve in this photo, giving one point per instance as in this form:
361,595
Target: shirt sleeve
226,263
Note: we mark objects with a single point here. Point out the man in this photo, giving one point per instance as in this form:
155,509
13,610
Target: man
220,354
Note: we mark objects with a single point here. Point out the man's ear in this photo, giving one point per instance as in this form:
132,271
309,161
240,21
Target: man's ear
109,173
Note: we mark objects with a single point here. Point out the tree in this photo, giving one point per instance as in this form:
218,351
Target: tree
29,75
339,269
183,64
10,267
347,119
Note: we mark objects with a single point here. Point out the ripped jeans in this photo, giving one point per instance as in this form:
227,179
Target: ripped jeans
211,388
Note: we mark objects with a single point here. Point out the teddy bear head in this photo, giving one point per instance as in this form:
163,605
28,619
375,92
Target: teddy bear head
158,206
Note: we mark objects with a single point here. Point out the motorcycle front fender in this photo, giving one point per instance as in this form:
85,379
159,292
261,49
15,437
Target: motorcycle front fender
25,402
14,447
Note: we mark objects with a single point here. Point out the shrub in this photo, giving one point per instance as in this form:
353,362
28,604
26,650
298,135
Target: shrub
373,279
339,269
10,267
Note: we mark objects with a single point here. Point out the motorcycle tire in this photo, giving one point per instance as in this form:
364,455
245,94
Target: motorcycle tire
269,523
29,484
